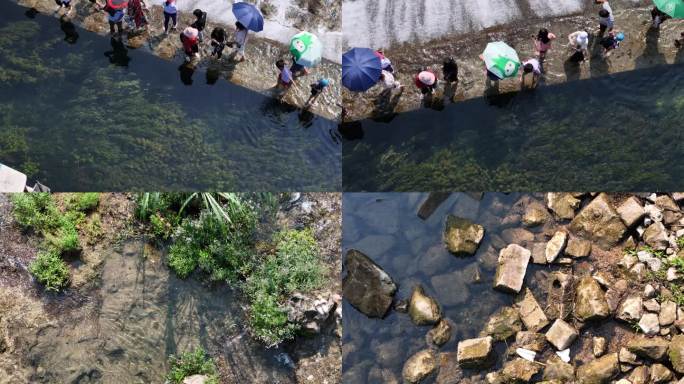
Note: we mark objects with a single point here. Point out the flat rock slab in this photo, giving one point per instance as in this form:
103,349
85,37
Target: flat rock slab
578,248
474,353
599,222
590,300
511,269
531,313
631,211
561,334
555,246
11,180
366,286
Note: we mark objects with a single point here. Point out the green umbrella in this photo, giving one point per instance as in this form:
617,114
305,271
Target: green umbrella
501,59
306,49
674,8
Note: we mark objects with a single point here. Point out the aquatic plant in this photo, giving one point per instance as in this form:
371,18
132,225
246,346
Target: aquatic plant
295,267
187,364
50,270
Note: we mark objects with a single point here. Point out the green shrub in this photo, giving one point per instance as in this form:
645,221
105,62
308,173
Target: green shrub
294,267
36,211
182,259
50,270
161,227
192,363
93,228
83,202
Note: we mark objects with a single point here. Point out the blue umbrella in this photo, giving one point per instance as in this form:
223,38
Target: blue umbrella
249,16
361,69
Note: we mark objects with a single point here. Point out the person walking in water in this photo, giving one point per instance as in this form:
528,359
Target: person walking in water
611,42
606,19
218,41
426,82
115,17
239,41
542,43
529,79
579,41
136,12
200,22
170,13
284,77
189,38
316,89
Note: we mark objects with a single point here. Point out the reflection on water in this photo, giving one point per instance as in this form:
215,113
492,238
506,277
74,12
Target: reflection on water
619,132
385,227
83,112
139,314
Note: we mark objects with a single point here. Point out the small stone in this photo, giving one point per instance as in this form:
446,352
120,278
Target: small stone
558,370
668,313
578,248
627,357
561,334
615,293
531,313
599,371
670,209
419,366
590,301
441,333
603,278
640,375
649,291
653,348
530,340
555,246
656,236
562,204
631,212
638,271
461,236
631,309
628,261
423,309
660,374
652,305
535,214
519,371
512,267
599,346
503,324
475,353
672,274
649,324
538,253
520,236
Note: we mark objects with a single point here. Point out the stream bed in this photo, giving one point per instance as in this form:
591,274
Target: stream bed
83,112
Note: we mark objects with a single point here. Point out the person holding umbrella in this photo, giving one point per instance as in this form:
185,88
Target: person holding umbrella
249,18
361,69
501,61
666,9
306,52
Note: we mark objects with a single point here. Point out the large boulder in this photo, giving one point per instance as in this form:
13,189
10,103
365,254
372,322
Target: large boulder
654,348
599,222
561,334
563,204
423,309
462,236
676,353
599,371
660,374
503,325
475,353
366,286
535,214
419,366
511,269
519,371
531,313
590,301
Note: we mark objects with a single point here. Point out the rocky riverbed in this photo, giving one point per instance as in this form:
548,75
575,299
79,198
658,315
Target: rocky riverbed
125,312
257,72
586,289
643,47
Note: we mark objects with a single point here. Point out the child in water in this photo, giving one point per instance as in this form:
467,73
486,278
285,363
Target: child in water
611,42
218,41
190,40
284,77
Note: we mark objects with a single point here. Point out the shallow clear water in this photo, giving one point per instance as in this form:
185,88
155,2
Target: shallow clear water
613,133
386,228
139,314
91,114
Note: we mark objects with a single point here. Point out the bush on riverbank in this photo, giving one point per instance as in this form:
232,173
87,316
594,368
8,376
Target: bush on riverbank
39,212
192,363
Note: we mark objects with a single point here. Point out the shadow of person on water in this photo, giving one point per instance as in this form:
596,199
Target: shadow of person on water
69,29
31,13
186,72
119,53
598,65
